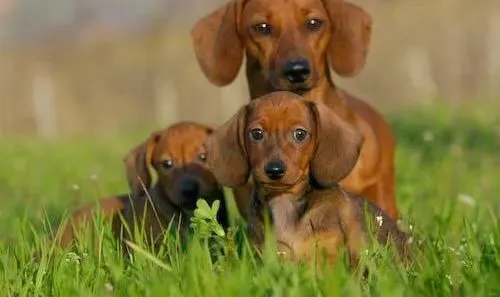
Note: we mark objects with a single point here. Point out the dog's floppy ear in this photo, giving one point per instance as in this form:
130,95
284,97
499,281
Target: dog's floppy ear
226,154
338,145
351,37
217,44
137,163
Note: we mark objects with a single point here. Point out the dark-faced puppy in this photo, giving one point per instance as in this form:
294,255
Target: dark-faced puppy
297,151
177,156
290,45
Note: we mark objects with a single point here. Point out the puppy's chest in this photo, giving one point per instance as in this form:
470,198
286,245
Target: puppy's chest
302,237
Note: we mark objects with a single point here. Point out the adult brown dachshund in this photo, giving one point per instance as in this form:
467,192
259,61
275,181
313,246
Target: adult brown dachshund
178,157
289,45
297,151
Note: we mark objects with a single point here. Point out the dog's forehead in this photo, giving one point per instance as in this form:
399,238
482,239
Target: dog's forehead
278,6
280,109
183,139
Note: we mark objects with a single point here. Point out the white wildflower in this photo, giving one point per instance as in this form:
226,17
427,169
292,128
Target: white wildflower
410,240
466,199
75,187
108,287
380,220
449,279
428,136
72,257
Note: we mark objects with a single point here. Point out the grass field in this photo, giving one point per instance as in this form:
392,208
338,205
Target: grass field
448,190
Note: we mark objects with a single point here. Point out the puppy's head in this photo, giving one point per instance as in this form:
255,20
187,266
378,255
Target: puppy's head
178,157
283,141
291,40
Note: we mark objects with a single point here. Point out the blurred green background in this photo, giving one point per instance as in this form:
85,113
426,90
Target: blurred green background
72,67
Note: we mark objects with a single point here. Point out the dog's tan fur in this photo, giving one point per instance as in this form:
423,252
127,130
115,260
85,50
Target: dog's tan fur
307,205
341,41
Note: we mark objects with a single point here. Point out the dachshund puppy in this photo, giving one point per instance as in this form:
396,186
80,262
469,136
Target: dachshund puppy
296,152
178,157
82,217
291,45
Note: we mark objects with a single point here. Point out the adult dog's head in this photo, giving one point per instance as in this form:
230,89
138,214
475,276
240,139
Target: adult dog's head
291,41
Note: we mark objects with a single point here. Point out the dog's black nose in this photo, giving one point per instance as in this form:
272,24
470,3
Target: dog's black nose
189,188
275,169
297,71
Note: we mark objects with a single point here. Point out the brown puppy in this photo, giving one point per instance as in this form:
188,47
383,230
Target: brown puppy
297,151
178,157
82,217
289,45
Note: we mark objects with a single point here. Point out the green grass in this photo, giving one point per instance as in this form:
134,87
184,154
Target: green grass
448,191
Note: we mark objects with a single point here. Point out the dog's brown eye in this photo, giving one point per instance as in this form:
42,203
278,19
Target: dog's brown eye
203,157
256,134
299,135
263,29
167,164
314,24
